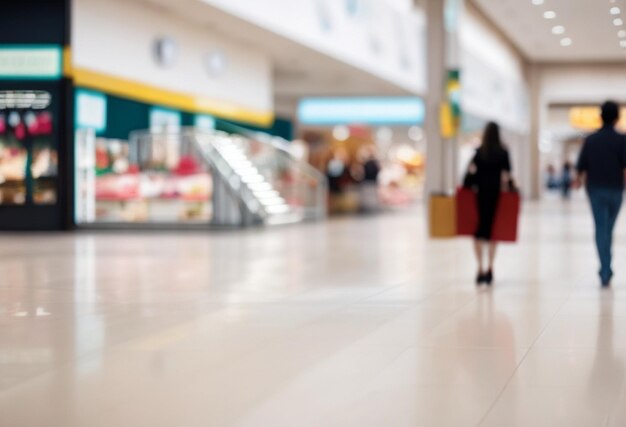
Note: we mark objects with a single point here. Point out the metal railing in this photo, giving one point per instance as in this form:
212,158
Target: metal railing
238,199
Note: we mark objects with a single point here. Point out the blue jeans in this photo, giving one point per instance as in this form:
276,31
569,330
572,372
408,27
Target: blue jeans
605,204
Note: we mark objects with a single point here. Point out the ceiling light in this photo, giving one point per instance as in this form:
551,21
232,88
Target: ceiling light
621,34
559,29
549,14
618,22
615,10
622,43
538,2
566,42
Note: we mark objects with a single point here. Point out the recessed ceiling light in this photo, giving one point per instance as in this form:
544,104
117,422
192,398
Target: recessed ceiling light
538,2
615,10
559,29
621,34
566,42
618,22
549,14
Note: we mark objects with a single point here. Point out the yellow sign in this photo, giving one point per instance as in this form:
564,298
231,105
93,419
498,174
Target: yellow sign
588,118
447,121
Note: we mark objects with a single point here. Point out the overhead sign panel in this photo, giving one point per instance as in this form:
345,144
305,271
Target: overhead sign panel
29,62
390,111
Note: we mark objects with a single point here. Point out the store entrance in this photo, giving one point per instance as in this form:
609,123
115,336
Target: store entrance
29,158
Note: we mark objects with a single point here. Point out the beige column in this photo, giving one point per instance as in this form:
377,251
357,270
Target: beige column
536,116
435,147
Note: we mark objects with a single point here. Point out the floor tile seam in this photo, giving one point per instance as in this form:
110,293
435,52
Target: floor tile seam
304,292
277,338
384,290
522,359
468,347
85,357
93,353
415,302
305,368
452,313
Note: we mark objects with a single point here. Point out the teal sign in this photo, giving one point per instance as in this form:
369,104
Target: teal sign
204,122
163,120
91,110
31,62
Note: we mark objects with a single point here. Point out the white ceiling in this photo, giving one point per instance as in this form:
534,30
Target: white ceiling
587,22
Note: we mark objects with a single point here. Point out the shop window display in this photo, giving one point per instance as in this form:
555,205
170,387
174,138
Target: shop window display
366,170
28,152
155,182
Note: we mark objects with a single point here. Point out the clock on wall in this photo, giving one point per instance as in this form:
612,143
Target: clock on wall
165,51
216,62
323,16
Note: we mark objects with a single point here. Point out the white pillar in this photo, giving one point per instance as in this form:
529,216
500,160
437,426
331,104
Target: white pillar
536,112
443,18
435,150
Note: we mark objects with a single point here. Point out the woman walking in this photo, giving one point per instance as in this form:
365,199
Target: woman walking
489,173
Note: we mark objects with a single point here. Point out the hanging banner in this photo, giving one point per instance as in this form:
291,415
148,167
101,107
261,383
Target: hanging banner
450,113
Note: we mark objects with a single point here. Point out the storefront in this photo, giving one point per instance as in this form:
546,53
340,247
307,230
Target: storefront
372,150
104,131
35,149
139,164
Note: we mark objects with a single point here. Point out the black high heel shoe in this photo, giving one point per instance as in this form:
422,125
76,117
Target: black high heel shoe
489,278
480,278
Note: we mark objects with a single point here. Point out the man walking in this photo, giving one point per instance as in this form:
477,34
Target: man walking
602,168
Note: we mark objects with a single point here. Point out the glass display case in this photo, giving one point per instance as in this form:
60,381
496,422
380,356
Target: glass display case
192,177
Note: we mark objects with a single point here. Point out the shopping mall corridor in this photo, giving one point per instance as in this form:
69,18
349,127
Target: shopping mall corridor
354,322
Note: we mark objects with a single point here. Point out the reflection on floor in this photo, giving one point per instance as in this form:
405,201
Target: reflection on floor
357,322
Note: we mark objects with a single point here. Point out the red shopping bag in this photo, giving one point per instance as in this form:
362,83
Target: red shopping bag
466,212
507,215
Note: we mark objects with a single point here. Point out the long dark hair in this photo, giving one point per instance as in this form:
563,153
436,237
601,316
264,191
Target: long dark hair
492,144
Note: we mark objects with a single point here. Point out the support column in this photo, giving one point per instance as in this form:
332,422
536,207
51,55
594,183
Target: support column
435,149
443,56
536,111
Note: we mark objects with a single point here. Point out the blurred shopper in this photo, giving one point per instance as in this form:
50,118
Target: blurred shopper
337,171
602,169
339,178
552,182
367,171
489,173
566,180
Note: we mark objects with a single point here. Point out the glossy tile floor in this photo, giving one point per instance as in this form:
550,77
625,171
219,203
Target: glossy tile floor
356,322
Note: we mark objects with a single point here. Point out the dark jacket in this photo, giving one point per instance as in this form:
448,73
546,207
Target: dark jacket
603,159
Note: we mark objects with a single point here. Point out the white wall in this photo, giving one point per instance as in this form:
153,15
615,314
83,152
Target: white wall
578,84
495,87
381,37
116,37
493,80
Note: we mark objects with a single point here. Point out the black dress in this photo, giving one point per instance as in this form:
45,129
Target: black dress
488,181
